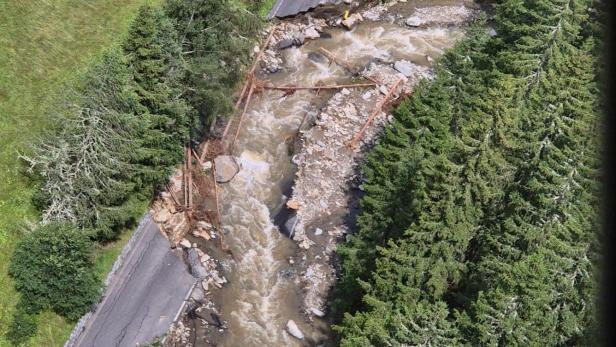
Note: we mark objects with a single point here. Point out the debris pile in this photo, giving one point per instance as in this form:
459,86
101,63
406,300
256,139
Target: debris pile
441,15
326,164
168,213
286,35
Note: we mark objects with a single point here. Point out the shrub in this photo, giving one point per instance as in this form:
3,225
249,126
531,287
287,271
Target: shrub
22,328
53,269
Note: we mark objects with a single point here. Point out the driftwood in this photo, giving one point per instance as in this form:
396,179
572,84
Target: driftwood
337,86
332,57
249,79
353,143
239,125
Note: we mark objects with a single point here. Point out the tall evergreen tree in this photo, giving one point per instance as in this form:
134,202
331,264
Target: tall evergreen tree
88,167
155,63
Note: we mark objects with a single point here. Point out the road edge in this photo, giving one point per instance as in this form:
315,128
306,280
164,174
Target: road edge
117,265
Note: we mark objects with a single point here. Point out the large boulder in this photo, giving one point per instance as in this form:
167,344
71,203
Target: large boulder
196,268
226,168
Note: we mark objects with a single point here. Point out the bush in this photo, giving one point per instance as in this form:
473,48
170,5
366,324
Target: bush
53,269
22,328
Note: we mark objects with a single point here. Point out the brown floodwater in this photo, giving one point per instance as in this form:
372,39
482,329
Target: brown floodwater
263,291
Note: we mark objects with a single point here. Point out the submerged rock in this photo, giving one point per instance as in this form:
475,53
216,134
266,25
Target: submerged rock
226,168
289,226
317,57
294,330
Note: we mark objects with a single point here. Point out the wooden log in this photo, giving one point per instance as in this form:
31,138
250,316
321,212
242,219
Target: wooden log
379,107
173,196
332,57
185,181
338,86
239,125
190,180
249,79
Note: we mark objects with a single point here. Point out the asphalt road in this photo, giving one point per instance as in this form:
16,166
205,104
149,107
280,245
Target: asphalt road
284,8
143,298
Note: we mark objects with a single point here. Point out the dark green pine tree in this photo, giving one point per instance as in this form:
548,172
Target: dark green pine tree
214,37
157,68
87,168
536,267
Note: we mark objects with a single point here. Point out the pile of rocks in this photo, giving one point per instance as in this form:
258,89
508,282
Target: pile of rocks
165,213
441,15
205,269
286,35
327,165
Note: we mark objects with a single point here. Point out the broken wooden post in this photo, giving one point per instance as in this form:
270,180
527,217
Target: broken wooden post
336,86
239,124
190,181
335,59
249,79
185,180
353,143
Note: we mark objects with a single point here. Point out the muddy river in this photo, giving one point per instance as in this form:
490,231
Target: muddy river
263,294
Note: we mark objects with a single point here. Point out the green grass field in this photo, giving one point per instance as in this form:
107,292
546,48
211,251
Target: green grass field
44,45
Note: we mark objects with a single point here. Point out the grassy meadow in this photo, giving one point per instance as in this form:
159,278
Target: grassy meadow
44,45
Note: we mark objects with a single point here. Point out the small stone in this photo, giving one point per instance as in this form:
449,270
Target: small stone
204,225
194,245
345,91
413,21
185,243
291,261
317,312
207,165
292,204
311,33
383,89
404,67
294,330
205,258
205,285
367,95
350,22
318,231
286,43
